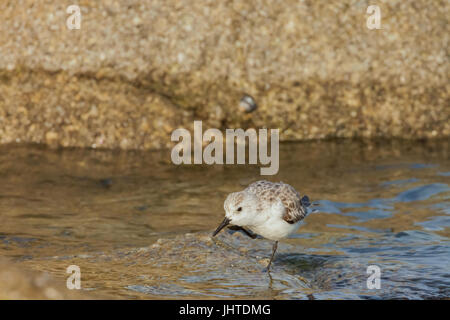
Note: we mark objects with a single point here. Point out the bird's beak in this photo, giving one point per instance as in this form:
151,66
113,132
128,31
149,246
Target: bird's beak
224,223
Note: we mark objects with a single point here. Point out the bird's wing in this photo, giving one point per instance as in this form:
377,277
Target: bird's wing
290,198
295,210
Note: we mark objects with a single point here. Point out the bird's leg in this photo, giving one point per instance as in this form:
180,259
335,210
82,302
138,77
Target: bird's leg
274,248
248,233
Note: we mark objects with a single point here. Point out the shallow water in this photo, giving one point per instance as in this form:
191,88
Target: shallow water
139,226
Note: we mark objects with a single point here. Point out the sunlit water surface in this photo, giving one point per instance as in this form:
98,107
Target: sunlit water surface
139,226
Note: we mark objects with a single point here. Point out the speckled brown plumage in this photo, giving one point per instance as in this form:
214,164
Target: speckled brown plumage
291,199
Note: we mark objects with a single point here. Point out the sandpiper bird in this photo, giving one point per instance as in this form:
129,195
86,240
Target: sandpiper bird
272,210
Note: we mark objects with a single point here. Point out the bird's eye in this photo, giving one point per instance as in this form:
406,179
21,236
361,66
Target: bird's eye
239,209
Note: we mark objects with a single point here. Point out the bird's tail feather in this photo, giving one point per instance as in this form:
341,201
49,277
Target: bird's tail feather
305,201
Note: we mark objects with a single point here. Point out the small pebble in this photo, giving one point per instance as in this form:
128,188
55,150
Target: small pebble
247,103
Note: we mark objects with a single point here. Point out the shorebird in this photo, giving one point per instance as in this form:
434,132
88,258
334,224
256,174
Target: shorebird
272,210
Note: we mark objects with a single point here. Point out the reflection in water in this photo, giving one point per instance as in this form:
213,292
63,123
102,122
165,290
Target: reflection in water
138,226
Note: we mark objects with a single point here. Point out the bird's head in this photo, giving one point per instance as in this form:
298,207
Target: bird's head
240,209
